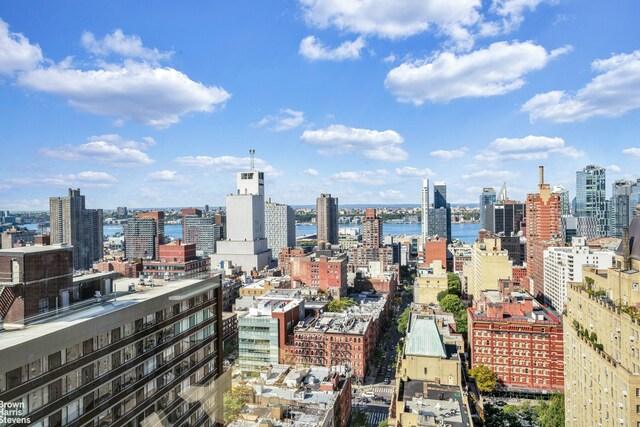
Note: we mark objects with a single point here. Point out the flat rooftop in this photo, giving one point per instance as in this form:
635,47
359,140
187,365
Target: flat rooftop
89,312
424,338
435,403
34,249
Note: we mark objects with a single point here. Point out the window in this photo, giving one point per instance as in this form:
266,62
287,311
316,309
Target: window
43,305
425,371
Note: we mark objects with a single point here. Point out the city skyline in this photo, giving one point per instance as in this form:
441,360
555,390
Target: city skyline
361,105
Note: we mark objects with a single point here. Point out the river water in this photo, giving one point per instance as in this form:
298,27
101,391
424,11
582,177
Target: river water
467,233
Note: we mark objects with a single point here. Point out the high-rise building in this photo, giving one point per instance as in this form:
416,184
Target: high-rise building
425,210
200,230
327,220
154,355
487,197
280,226
140,238
121,212
543,226
591,197
602,382
158,217
489,264
578,226
624,199
440,214
246,243
504,217
565,204
371,229
564,264
81,228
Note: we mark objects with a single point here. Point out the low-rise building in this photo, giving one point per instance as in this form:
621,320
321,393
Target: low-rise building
287,396
327,273
519,339
430,281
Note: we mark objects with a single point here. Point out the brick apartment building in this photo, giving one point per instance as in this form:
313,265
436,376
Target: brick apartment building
327,273
519,339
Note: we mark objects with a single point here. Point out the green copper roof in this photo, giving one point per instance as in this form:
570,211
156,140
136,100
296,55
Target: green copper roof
424,338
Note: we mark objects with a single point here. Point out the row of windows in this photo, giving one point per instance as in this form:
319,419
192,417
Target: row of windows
43,365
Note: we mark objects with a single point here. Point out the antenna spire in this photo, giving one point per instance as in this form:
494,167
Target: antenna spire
252,153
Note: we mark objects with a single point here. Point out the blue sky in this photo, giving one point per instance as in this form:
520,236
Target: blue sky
157,103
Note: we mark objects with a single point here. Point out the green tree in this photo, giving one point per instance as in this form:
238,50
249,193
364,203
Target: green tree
441,295
494,417
551,414
339,305
461,322
234,400
451,304
486,379
453,284
383,423
403,320
359,418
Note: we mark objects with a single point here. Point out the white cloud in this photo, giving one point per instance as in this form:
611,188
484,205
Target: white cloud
389,59
81,179
632,151
486,173
122,45
286,120
314,50
369,177
138,91
391,195
528,148
495,70
166,176
394,19
225,164
614,92
449,154
411,171
16,53
311,172
111,149
372,144
512,12
614,168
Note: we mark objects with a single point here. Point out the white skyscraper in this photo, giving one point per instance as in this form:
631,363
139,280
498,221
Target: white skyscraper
564,264
425,210
246,243
280,227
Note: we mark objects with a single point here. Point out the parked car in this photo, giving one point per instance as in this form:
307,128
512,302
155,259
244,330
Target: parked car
501,403
387,381
368,394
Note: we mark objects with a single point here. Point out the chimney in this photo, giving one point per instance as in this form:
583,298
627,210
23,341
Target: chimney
626,250
541,174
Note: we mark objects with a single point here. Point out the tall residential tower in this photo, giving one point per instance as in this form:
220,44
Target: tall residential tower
327,220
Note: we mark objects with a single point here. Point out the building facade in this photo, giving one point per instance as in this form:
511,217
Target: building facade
280,226
487,197
327,273
154,356
81,228
327,218
520,340
591,196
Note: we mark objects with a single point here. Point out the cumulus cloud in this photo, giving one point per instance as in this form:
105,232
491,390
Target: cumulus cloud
394,19
311,172
166,176
369,177
372,144
486,173
286,120
138,91
511,14
612,93
118,43
632,151
83,179
495,70
225,164
389,59
411,171
449,154
16,53
314,50
614,168
391,195
111,149
528,148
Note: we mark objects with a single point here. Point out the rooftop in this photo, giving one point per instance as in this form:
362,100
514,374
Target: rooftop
435,403
424,339
34,249
106,305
